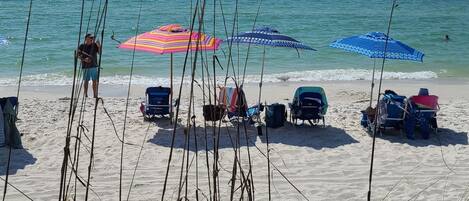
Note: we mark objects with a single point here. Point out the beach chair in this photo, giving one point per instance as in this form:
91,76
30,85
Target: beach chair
156,102
423,109
13,100
233,101
309,104
10,134
3,101
392,110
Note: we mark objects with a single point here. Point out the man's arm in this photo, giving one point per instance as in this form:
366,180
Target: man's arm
78,52
99,46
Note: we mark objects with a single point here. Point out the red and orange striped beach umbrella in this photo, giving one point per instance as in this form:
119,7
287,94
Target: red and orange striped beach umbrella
169,39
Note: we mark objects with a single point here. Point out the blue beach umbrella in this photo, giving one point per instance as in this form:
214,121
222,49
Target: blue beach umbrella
372,45
267,36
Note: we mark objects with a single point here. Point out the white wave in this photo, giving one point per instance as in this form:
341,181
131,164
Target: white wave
340,74
296,76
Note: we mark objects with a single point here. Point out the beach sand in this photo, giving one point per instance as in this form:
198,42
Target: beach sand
329,163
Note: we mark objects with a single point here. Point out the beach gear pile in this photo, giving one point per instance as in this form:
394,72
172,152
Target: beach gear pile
309,104
404,114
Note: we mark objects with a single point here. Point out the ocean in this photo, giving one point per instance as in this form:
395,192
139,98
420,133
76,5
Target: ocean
53,35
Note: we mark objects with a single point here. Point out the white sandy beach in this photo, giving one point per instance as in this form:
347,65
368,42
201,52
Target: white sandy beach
329,163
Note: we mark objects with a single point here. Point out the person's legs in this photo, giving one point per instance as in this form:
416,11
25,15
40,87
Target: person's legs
86,79
94,77
85,88
95,88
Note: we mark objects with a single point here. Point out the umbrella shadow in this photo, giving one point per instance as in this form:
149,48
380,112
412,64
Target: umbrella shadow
315,137
204,136
20,158
444,137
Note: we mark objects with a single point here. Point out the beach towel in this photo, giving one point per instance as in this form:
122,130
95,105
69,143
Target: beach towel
425,102
230,98
2,128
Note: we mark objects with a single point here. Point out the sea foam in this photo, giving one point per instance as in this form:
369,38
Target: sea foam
295,76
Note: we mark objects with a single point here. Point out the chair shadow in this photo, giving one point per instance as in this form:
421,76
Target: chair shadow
20,158
204,136
316,137
302,136
444,137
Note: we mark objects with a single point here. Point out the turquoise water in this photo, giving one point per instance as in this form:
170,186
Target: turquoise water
421,24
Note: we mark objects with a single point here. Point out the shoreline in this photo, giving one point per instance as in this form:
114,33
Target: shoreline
107,90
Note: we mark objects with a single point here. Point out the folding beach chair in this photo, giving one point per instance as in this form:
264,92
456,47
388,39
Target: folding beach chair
392,110
10,134
310,104
157,102
13,100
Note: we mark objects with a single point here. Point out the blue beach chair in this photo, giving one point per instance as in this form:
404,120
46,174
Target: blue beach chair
10,134
157,102
13,100
392,111
310,104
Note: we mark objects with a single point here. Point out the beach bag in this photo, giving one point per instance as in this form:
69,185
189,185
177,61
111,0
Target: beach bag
212,112
275,115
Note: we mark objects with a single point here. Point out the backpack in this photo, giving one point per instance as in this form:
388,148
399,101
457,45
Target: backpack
275,115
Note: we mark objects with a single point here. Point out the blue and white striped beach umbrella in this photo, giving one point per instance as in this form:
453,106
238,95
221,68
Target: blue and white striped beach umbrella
372,45
268,37
3,41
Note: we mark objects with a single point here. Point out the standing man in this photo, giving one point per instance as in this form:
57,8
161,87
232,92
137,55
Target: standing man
88,54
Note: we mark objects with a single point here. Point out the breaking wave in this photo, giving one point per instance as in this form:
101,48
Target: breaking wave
295,76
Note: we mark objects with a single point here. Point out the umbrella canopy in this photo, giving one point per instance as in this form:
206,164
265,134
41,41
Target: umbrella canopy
268,37
3,41
372,45
171,39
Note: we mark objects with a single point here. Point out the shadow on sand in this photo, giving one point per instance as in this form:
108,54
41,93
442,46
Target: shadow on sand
304,136
444,137
315,137
228,136
20,158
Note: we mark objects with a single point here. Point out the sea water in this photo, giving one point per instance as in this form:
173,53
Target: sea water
54,31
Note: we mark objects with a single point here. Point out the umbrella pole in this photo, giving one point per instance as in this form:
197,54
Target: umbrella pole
259,130
372,81
171,86
262,77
